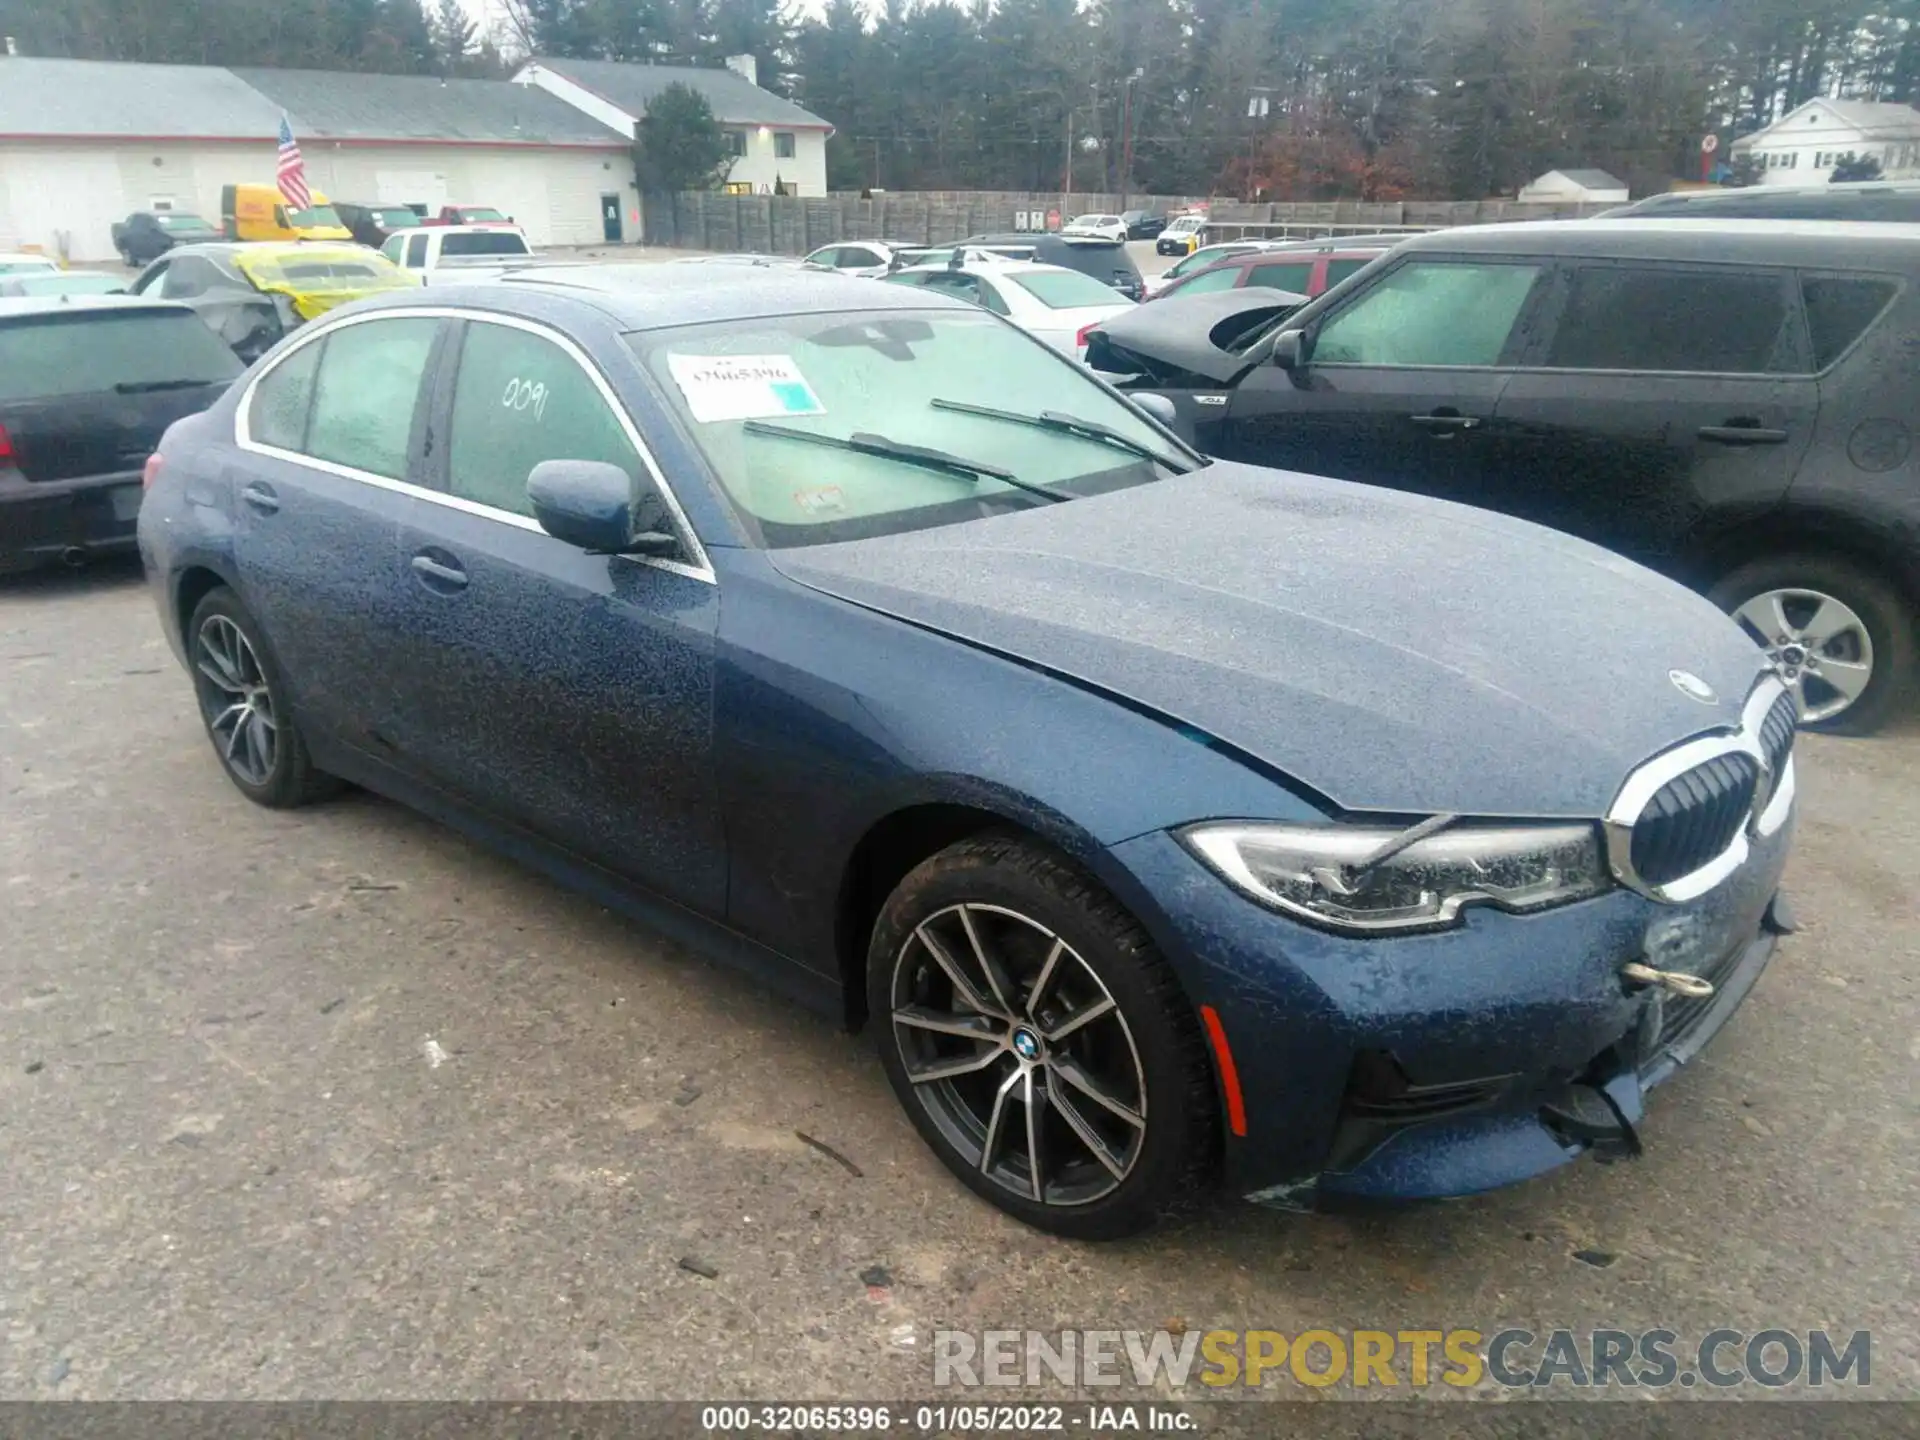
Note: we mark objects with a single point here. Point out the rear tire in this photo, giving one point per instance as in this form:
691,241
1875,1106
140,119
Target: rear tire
1090,1069
244,706
1821,619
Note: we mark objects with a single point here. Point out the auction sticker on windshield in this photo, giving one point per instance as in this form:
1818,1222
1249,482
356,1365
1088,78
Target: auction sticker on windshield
743,387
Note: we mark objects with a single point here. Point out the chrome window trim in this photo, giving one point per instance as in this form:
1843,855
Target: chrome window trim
1773,800
701,567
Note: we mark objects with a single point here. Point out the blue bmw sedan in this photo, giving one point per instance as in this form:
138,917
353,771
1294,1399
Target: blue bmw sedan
1170,824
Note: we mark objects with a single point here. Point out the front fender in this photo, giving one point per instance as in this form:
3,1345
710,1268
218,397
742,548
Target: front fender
831,717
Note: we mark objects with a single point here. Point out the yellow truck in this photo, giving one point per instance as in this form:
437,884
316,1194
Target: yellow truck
257,212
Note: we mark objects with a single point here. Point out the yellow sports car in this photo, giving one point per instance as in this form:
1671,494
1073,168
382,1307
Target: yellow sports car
252,294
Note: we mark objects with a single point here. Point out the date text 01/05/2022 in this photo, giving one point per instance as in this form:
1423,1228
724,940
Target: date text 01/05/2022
946,1419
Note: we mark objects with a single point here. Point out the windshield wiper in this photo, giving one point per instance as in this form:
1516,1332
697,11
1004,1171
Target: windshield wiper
1068,425
927,458
142,387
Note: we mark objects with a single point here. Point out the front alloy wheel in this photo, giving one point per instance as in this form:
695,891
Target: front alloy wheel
1818,644
1839,636
1020,1054
1040,1043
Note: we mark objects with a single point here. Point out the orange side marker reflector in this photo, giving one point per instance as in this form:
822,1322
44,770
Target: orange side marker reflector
1229,1076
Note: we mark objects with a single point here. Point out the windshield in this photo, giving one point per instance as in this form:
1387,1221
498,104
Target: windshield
14,264
485,242
1067,289
85,352
178,221
314,268
398,218
480,212
739,385
314,217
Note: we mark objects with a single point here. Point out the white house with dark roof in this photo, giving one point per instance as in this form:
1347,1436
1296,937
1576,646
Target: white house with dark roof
1803,146
85,142
778,147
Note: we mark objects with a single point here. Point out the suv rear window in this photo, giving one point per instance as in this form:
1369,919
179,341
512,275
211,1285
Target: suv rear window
1839,310
1065,289
85,352
1648,318
487,242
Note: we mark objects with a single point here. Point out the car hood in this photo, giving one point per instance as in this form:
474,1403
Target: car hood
1176,331
1392,652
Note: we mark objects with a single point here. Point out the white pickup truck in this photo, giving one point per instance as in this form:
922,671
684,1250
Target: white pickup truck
447,254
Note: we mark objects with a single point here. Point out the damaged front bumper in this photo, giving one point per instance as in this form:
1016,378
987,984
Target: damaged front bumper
1441,1065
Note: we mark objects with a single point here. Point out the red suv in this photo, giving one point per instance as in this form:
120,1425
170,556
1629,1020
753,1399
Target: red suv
1305,272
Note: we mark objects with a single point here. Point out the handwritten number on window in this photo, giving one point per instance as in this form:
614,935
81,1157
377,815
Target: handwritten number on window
526,396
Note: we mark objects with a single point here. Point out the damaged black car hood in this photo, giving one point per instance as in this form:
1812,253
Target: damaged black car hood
1393,652
1183,333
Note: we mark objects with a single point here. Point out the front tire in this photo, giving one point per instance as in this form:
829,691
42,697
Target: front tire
1041,1043
243,704
1840,636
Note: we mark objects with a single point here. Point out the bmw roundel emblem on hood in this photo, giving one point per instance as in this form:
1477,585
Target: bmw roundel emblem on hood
1692,686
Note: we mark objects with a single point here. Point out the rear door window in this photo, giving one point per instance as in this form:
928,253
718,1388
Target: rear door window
368,386
85,352
277,412
1702,319
1839,310
417,251
1430,312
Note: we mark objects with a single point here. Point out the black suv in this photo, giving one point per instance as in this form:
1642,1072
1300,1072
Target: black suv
1105,260
87,385
1732,403
146,235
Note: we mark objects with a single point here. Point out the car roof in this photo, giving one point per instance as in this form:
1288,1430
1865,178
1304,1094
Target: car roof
222,249
659,297
11,255
1809,242
15,307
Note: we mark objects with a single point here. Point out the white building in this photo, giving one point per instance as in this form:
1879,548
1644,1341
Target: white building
1575,187
83,143
778,147
1803,146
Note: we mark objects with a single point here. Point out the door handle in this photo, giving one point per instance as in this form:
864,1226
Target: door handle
1446,422
1742,432
260,496
438,576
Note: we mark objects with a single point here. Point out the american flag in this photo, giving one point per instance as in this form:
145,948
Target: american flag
293,171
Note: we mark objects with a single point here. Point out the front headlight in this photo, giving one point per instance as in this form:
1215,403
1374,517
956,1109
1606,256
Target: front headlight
1321,872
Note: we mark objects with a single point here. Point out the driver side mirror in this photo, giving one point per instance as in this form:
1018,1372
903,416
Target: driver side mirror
592,504
1290,350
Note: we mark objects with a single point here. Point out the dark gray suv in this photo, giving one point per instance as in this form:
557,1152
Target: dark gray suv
1733,403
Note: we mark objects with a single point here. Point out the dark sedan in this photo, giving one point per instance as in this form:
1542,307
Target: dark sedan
1169,822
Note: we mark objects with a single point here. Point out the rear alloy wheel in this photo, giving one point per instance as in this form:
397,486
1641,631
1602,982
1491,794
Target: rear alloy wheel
1840,638
243,705
1040,1043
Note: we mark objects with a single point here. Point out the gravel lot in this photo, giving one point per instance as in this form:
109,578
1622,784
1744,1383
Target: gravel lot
333,1104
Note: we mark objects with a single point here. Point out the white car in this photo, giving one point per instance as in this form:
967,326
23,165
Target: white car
1049,302
871,258
13,263
1107,227
452,254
